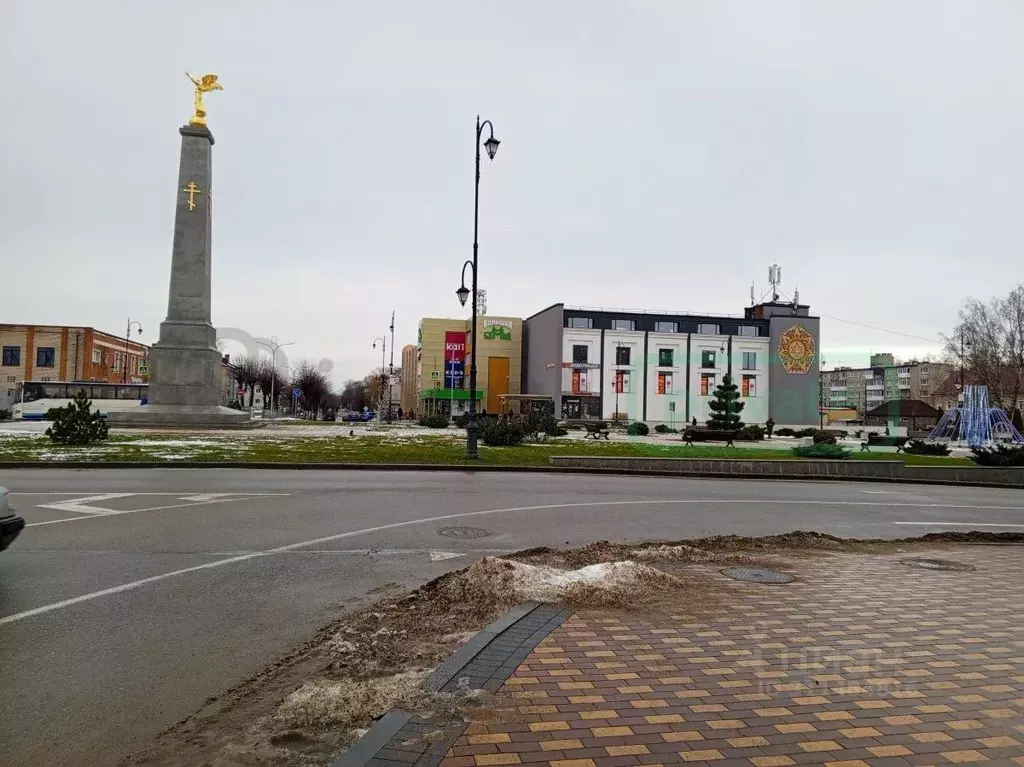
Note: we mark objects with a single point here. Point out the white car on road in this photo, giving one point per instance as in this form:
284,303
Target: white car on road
10,523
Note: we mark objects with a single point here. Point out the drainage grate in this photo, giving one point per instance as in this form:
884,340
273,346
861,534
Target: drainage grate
935,564
757,575
464,532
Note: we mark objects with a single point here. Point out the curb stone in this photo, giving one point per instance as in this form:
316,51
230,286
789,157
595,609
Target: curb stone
398,739
470,469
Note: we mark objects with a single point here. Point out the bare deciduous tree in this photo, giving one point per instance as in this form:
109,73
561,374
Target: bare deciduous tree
992,346
313,385
247,370
271,380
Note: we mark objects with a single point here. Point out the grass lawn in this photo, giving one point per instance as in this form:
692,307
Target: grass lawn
425,449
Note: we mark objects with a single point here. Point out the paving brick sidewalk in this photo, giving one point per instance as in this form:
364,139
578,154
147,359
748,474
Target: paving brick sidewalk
861,661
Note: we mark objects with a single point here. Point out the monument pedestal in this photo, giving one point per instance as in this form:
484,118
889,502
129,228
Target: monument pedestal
185,365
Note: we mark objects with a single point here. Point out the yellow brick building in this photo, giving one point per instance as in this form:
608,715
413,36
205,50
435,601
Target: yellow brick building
443,365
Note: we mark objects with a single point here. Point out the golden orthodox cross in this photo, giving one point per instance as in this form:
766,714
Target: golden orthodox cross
192,190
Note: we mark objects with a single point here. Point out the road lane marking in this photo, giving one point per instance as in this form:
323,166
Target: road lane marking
42,610
117,513
959,524
78,504
439,556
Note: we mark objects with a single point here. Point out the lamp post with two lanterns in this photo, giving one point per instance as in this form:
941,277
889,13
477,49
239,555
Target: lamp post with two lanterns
491,146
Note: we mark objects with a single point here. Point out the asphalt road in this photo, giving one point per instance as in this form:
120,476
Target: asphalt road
133,596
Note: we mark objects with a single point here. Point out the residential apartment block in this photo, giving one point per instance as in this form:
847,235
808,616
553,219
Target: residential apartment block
65,353
663,368
410,380
884,380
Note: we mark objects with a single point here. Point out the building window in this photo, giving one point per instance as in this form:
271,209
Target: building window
666,358
664,383
579,382
621,355
749,387
12,379
95,356
707,359
45,356
623,324
707,329
707,384
750,360
751,331
620,383
581,323
579,352
666,327
12,356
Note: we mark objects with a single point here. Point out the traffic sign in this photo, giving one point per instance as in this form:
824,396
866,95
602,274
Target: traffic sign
143,368
296,393
434,375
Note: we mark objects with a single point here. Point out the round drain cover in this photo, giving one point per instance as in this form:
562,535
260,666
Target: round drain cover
757,575
463,532
935,564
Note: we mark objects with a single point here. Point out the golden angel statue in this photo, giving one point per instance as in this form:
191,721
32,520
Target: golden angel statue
204,84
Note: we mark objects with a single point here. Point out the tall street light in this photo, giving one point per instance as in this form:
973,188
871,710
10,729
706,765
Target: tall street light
273,345
963,358
127,340
391,365
383,355
491,145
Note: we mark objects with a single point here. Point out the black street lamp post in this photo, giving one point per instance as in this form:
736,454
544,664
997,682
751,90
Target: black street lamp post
391,365
127,341
383,358
491,145
963,359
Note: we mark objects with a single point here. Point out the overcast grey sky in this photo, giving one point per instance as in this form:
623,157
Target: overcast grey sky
654,155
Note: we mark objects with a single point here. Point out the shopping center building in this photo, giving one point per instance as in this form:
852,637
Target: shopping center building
443,349
663,367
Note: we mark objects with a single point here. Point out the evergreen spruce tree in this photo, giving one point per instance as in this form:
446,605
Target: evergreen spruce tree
726,406
77,424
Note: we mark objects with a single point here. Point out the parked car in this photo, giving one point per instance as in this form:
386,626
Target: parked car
10,523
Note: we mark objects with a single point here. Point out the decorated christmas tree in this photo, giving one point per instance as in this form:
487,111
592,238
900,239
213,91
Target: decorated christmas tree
726,406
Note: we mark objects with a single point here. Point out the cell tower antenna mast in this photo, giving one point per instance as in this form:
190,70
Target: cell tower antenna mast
775,279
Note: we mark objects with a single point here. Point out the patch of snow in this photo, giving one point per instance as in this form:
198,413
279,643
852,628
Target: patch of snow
192,442
322,703
506,581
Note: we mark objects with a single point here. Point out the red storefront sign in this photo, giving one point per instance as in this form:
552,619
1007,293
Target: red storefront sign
455,345
454,358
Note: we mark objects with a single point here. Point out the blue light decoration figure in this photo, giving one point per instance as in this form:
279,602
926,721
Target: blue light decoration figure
975,423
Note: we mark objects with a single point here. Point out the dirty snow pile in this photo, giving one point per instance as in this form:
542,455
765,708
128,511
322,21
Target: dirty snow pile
503,581
323,702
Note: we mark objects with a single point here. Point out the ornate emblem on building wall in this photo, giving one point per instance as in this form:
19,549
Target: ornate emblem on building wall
796,350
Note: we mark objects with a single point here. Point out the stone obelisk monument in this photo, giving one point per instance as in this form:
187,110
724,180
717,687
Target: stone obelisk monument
185,365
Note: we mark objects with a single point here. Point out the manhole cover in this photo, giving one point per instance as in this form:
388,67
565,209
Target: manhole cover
757,575
935,564
463,532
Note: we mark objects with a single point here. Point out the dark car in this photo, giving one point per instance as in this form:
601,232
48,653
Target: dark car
10,523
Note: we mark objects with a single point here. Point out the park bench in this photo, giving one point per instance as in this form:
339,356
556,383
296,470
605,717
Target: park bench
596,430
881,440
709,435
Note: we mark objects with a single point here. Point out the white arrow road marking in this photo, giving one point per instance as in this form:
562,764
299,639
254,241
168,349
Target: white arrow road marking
203,497
437,556
93,513
77,504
